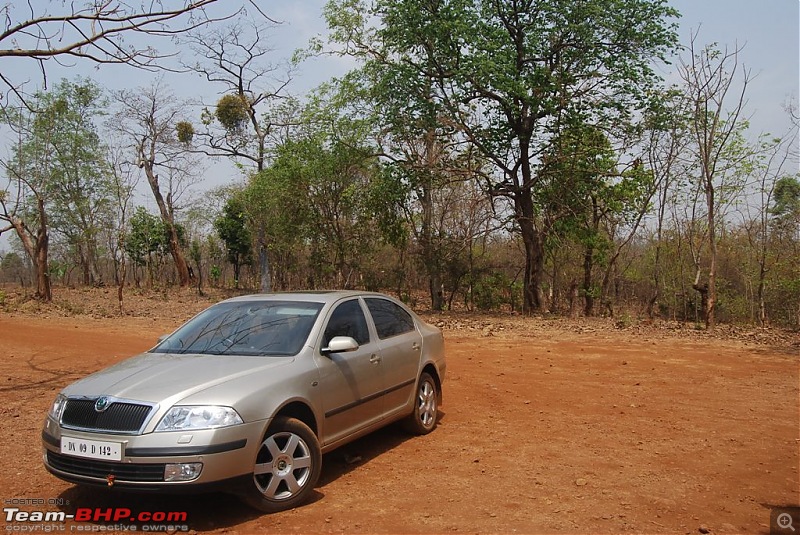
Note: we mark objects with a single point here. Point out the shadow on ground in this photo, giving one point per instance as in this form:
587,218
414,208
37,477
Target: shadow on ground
206,512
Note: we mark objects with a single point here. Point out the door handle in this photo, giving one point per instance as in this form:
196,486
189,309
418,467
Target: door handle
374,359
415,346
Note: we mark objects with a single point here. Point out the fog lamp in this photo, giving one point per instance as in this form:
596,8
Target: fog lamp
182,471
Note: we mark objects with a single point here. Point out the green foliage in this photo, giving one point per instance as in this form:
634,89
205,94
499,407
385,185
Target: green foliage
232,112
184,131
215,274
317,194
147,235
323,202
231,226
59,167
490,290
13,268
787,198
58,269
509,77
80,201
196,252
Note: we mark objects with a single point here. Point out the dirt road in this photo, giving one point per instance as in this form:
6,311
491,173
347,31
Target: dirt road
546,429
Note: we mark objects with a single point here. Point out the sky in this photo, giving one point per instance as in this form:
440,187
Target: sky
767,30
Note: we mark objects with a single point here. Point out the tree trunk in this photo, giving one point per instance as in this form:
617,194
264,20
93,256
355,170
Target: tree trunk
177,254
263,261
96,274
653,302
702,289
430,256
573,299
87,272
167,217
533,241
711,318
149,262
123,272
37,250
43,289
762,306
554,293
588,292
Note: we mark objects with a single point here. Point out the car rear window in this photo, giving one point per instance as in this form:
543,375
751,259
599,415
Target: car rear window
390,319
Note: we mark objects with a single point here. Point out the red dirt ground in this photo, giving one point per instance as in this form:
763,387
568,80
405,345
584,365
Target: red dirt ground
547,427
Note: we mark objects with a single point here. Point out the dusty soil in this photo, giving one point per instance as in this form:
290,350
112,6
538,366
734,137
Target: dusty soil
548,426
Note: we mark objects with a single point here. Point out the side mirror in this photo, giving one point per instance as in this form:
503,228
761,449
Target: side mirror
162,338
340,344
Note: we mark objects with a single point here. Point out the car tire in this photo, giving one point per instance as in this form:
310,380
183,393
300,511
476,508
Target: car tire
286,468
425,416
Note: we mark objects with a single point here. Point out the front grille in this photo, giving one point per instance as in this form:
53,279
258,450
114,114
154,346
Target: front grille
119,416
102,469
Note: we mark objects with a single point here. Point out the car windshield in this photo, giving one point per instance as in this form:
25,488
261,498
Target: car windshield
254,328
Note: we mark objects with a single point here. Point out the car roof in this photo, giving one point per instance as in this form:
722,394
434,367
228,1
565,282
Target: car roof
321,296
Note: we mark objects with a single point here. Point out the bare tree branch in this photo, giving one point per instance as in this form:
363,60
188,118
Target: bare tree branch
104,32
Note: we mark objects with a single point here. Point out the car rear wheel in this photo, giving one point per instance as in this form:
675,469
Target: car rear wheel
286,468
425,416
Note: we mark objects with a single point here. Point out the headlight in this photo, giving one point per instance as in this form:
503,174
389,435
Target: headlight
180,418
58,407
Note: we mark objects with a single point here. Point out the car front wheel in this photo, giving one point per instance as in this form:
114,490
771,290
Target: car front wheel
286,468
426,406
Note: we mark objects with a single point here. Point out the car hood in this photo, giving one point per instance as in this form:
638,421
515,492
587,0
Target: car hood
168,378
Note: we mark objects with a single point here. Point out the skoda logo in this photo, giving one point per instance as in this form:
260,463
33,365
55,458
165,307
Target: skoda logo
101,404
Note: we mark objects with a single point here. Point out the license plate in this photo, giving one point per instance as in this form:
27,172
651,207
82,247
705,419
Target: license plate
91,449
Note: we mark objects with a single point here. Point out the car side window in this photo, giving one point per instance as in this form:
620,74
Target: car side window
390,319
347,320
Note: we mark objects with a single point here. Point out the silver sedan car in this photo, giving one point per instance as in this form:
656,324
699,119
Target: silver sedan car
248,395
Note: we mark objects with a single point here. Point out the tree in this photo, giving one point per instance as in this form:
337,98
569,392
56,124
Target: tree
716,124
510,75
196,253
785,220
148,235
13,268
56,178
234,58
147,118
786,204
665,131
316,195
424,156
81,205
231,226
122,183
101,32
576,175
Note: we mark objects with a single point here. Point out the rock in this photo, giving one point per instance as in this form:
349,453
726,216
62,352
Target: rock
703,529
581,482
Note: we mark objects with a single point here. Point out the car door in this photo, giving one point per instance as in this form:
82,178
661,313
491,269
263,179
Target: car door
351,382
400,346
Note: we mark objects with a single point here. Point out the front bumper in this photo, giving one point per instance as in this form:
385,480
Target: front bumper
227,455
